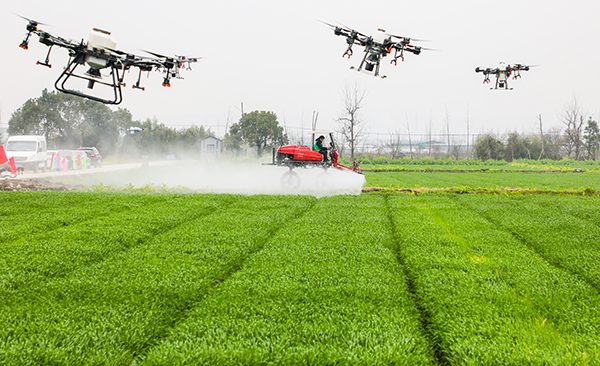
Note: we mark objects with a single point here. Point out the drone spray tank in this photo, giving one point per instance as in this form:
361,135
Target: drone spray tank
99,40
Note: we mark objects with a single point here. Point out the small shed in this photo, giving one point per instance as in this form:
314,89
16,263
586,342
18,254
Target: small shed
210,148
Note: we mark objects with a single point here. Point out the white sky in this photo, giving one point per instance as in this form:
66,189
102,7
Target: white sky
275,55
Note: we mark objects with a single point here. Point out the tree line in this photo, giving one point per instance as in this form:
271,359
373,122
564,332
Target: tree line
69,122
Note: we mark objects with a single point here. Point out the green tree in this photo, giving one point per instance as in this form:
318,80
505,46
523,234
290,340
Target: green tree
521,147
260,130
68,121
591,138
39,116
488,147
233,139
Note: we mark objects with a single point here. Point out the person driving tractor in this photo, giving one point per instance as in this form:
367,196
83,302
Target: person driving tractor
318,146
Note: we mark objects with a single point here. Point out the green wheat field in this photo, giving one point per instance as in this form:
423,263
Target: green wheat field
118,278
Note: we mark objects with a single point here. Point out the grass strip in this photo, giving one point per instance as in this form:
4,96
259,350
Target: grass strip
550,181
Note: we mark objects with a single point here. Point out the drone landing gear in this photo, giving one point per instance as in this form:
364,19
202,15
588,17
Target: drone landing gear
93,77
368,73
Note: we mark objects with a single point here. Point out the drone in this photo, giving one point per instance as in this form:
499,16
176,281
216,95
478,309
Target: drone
132,130
376,47
99,54
502,72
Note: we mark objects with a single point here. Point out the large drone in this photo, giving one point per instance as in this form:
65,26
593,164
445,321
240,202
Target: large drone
502,72
376,47
99,53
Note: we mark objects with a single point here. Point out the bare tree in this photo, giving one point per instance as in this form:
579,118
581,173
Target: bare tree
350,122
553,141
409,137
429,133
394,146
455,150
573,118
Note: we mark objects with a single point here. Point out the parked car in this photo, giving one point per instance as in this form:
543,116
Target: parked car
28,151
94,156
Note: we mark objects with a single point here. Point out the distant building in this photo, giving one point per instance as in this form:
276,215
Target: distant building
210,148
3,135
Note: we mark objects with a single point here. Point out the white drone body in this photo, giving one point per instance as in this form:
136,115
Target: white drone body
503,73
100,40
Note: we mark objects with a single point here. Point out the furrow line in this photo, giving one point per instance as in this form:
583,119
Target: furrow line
61,224
127,247
424,315
232,269
532,246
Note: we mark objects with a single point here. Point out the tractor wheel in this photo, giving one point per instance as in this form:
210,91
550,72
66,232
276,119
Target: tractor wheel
323,180
290,180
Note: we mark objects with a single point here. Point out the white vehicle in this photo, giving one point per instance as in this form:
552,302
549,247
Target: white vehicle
28,151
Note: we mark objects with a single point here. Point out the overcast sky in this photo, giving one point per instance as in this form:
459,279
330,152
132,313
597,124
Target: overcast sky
275,56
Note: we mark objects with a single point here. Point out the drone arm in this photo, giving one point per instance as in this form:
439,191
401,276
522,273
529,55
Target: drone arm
47,61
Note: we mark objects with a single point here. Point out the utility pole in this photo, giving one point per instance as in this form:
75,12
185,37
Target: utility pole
468,136
315,116
542,153
448,133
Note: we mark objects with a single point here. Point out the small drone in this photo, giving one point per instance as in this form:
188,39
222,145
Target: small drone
133,130
99,53
376,47
502,72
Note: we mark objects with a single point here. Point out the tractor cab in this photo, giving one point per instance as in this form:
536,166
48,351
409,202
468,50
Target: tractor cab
295,156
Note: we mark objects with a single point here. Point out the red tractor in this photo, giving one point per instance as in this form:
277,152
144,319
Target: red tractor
294,156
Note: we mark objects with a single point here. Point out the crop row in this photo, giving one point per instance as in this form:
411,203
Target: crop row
31,213
327,290
38,257
372,279
488,297
557,232
114,310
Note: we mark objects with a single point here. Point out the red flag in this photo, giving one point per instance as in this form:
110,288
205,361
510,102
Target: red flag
3,158
52,161
13,167
78,160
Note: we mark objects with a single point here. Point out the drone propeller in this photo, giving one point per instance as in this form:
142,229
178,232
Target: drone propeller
406,39
343,27
427,48
330,25
523,67
158,55
31,21
352,30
